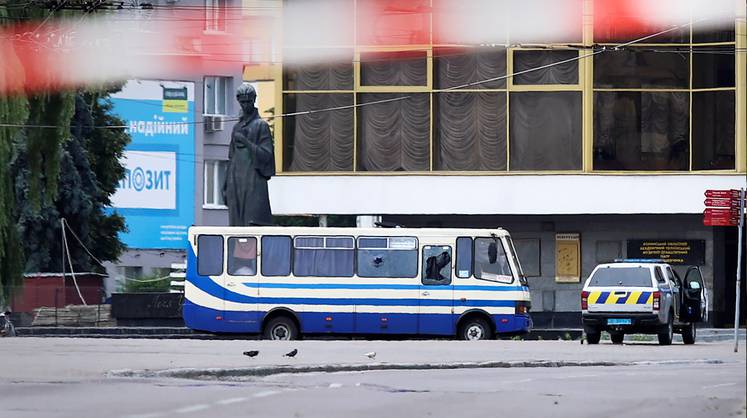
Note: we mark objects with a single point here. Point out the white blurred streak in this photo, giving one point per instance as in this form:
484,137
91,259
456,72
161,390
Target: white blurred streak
316,31
505,22
105,48
711,14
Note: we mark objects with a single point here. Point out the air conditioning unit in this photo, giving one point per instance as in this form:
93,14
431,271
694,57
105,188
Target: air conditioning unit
214,123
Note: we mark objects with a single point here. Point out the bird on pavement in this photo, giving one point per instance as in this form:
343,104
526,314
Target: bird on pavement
371,355
252,353
291,354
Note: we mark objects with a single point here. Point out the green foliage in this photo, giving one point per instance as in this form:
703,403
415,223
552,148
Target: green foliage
89,170
146,284
13,110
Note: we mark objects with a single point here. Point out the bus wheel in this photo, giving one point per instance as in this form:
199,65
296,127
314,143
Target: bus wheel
474,329
281,328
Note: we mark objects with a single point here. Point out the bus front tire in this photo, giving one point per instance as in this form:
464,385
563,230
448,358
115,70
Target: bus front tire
281,328
475,329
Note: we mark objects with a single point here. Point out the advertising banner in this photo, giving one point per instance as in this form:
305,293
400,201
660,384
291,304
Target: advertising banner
156,196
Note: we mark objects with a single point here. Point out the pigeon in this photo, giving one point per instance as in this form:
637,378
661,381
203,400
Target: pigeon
252,353
371,355
291,354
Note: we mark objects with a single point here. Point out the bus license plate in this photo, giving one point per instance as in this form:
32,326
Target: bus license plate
619,321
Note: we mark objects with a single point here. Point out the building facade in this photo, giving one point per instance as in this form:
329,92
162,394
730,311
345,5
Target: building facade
603,156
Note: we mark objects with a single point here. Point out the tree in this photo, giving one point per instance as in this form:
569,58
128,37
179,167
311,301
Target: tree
89,170
13,111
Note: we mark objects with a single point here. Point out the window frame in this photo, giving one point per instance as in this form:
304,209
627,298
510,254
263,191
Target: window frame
217,186
216,14
222,254
229,256
324,248
505,254
471,258
423,265
416,249
215,80
290,256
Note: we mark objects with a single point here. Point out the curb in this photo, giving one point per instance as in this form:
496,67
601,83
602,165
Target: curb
262,371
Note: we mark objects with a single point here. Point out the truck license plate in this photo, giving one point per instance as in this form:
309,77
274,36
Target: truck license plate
619,321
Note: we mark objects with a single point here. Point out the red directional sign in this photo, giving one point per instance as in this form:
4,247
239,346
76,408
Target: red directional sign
720,202
720,222
724,213
724,194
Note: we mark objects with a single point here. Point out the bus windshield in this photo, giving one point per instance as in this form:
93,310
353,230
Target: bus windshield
522,277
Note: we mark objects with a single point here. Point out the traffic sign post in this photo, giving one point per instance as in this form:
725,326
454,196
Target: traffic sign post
726,208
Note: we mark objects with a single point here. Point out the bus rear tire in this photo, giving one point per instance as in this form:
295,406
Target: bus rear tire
281,328
593,337
475,329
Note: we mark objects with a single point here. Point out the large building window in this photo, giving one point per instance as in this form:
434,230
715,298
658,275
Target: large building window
214,177
215,94
417,92
545,131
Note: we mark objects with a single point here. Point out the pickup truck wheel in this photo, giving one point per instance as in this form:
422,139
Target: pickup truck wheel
617,337
667,333
593,337
688,334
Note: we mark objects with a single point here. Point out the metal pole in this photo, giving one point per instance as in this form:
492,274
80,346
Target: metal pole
739,269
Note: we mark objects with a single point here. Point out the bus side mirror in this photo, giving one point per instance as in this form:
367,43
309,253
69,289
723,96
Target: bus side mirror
492,253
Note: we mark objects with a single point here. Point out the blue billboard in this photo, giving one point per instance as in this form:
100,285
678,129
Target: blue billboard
156,196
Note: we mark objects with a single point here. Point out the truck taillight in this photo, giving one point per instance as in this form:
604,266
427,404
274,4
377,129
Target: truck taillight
584,300
657,300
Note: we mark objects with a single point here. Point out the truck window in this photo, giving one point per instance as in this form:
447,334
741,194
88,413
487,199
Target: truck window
621,277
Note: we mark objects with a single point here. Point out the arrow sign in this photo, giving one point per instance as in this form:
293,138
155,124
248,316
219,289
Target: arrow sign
719,222
720,202
723,194
722,213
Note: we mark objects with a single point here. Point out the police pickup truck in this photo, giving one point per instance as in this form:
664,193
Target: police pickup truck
642,296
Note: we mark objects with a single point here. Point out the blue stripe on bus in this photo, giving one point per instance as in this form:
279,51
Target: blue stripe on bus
202,318
214,289
362,286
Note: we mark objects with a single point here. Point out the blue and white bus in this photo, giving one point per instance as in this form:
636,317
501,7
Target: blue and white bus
285,282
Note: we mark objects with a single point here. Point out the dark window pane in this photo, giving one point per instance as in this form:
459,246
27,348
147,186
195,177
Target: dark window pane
334,76
545,131
319,141
309,242
436,265
619,21
642,68
372,243
641,131
528,252
464,257
470,132
339,242
713,130
621,277
323,263
401,68
242,256
566,73
460,67
209,255
387,263
276,256
713,35
394,135
713,67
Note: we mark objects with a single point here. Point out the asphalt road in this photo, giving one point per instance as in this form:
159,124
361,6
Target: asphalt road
50,377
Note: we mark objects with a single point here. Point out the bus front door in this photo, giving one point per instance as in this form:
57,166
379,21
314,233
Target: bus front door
436,291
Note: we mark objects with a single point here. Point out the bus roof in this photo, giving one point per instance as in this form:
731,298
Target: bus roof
313,230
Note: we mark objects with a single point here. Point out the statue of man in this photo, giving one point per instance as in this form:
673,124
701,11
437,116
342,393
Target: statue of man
251,163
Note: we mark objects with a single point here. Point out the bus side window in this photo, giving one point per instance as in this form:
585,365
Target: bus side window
463,257
242,256
275,257
210,255
436,265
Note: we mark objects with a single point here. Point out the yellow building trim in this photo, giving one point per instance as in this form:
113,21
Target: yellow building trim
741,94
587,82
